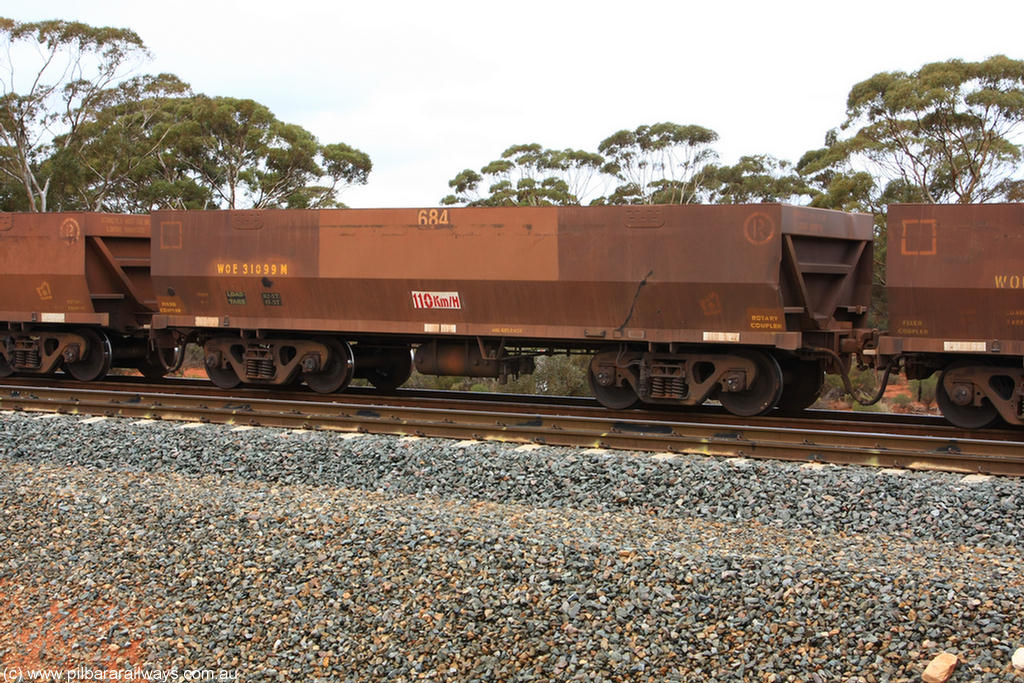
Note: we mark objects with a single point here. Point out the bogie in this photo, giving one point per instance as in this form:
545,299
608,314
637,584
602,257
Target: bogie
747,382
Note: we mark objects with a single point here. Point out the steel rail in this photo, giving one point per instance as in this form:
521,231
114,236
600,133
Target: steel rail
837,419
843,420
800,439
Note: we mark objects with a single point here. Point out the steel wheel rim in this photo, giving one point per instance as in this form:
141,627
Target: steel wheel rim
965,417
338,373
96,363
613,398
763,395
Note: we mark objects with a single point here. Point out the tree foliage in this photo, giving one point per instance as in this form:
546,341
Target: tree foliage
55,77
77,132
663,163
245,157
755,179
528,175
948,132
657,164
124,156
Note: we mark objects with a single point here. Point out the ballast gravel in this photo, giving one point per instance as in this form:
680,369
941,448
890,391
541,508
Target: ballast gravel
273,555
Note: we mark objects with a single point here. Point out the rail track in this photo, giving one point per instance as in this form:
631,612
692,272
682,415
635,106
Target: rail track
914,442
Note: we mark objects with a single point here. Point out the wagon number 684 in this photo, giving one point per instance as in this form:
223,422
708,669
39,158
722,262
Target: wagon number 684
432,217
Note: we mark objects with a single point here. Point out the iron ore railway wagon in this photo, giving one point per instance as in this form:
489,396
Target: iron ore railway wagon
955,284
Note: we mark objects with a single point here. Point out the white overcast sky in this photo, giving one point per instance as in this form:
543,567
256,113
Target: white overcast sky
430,88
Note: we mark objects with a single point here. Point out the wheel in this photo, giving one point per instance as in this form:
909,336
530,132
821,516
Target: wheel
614,398
224,378
5,367
965,417
155,367
762,396
802,382
95,363
338,371
394,375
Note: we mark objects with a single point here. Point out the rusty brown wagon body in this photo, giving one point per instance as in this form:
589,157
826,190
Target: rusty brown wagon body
75,292
954,282
661,293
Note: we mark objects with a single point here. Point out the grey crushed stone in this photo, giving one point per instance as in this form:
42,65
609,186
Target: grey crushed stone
305,556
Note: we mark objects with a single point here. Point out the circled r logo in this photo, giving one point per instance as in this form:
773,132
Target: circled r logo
70,231
759,228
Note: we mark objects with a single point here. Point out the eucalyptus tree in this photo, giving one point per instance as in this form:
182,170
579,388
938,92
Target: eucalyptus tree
662,163
125,157
949,132
53,76
529,175
247,158
756,178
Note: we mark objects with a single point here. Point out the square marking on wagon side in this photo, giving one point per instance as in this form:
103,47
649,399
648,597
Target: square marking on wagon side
170,235
919,238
